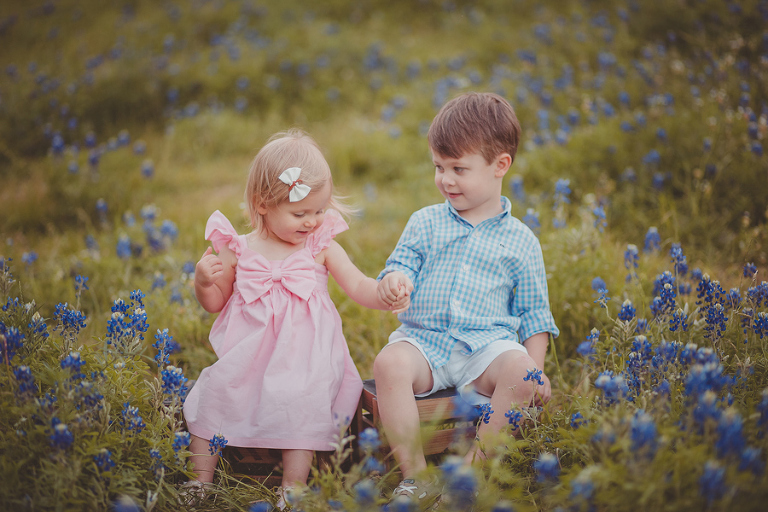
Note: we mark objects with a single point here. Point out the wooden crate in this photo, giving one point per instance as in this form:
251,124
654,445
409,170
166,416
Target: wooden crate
440,426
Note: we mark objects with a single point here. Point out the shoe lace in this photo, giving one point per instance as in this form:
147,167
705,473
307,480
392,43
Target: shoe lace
406,486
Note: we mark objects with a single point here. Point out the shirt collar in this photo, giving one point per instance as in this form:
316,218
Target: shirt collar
506,206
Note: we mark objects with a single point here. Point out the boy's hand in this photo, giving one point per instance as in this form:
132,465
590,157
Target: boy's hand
208,269
543,392
394,290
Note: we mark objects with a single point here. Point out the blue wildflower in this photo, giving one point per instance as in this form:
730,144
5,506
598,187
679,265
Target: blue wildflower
679,259
598,284
627,311
600,221
131,419
514,418
463,409
461,487
28,258
582,487
652,240
534,374
547,467
643,431
365,492
577,420
14,340
217,444
174,381
613,387
631,259
26,382
516,186
180,440
70,321
123,247
712,481
485,413
678,321
157,465
751,460
62,437
750,270
369,440
730,432
73,362
104,460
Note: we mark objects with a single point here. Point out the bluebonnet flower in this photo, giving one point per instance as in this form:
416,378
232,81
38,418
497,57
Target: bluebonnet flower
127,321
516,186
485,413
188,268
663,387
758,294
761,324
373,465
217,444
716,321
666,303
88,396
514,418
679,260
369,440
365,492
73,362
81,283
131,419
70,321
613,387
531,219
582,487
562,191
605,434
661,280
600,221
751,460
750,270
180,440
627,311
730,432
712,481
123,247
678,321
652,158
104,460
465,410
159,281
652,240
26,382
643,431
174,381
157,465
709,292
587,348
534,374
704,377
169,230
13,340
165,346
547,467
603,298
631,259
598,284
733,298
577,420
461,486
147,168
62,437
29,258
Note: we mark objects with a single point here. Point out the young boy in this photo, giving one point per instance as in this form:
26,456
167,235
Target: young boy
479,316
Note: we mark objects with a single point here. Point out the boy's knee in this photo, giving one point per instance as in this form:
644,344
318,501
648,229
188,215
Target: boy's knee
515,364
395,360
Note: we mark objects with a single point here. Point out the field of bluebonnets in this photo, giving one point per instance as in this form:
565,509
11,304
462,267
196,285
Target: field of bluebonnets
124,124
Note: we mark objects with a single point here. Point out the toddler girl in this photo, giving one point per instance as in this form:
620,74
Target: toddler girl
284,378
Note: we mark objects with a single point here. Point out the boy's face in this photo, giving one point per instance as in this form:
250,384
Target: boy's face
472,185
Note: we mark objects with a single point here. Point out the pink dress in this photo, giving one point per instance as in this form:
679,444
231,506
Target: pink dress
284,377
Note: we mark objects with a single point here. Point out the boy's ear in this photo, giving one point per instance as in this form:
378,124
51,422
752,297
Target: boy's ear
503,162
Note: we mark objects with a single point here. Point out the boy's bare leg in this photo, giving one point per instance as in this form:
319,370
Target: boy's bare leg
503,382
401,371
203,464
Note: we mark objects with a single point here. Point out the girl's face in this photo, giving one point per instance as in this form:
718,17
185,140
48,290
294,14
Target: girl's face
291,223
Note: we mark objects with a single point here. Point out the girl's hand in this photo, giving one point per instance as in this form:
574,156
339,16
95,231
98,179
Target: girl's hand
209,269
403,303
394,288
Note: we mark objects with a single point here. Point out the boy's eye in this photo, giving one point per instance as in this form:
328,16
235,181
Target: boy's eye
458,169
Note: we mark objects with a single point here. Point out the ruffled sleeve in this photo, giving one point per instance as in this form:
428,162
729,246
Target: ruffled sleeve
333,224
221,232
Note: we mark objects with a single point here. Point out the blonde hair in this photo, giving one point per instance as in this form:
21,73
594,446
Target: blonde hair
292,148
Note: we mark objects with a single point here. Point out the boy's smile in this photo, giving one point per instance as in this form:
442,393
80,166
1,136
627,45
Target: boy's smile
471,185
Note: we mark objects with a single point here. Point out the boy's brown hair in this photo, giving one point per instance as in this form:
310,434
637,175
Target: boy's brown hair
475,122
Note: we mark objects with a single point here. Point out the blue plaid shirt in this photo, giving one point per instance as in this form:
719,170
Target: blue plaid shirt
474,284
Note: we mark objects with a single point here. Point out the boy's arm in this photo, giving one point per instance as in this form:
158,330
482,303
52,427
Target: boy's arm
536,346
360,288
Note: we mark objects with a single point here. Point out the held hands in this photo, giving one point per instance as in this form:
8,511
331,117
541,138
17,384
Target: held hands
208,269
395,290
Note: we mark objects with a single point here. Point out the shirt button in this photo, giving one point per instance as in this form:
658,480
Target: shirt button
465,267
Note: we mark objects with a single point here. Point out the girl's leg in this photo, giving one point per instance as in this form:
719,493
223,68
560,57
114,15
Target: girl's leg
296,466
203,464
400,372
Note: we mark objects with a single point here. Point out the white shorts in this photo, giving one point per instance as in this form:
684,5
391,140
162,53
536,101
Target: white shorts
461,369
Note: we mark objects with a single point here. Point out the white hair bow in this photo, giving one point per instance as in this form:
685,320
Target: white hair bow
297,190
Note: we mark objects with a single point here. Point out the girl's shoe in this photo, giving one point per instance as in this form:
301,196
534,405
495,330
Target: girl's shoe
193,493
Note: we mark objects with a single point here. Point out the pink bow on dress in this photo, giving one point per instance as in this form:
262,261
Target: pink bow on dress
295,275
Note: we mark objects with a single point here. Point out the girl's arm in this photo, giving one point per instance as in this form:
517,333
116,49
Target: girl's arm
214,279
361,288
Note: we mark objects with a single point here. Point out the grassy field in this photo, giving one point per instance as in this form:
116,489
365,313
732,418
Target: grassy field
125,124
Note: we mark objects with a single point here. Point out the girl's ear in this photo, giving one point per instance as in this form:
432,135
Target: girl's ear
503,161
261,208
